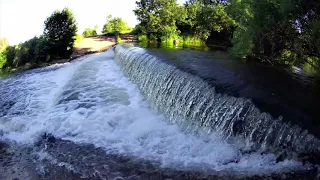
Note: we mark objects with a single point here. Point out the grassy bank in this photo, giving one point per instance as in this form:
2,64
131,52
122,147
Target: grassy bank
83,46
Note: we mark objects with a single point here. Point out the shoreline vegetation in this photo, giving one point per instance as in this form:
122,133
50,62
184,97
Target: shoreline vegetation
85,46
59,43
278,33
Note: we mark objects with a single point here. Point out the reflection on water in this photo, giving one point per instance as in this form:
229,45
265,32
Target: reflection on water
87,118
2,74
286,93
167,45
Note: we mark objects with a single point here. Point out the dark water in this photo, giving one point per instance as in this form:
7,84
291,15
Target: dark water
277,90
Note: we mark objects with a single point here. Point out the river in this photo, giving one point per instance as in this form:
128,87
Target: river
134,113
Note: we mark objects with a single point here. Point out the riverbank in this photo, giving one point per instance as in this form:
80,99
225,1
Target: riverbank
53,158
85,46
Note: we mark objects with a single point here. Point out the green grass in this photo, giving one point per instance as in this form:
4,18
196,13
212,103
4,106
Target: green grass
119,40
78,38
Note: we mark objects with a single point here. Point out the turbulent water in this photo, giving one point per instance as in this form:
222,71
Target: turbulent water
133,105
192,102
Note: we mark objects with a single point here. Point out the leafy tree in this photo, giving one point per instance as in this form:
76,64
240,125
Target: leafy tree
3,59
159,18
206,17
56,42
108,27
168,20
27,52
96,28
89,32
10,55
60,30
277,31
3,45
115,25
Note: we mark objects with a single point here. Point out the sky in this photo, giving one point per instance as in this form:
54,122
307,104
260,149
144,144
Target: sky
21,20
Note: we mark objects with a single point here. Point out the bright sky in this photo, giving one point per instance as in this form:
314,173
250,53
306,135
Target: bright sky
21,20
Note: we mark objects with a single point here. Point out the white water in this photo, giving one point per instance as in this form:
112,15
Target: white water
91,101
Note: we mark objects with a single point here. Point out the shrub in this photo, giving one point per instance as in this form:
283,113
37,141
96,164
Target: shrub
190,40
116,25
3,45
89,32
142,38
119,40
10,55
78,38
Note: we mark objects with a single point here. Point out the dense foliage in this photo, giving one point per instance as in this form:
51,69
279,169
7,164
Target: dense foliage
158,19
115,26
56,42
3,45
60,30
276,31
90,32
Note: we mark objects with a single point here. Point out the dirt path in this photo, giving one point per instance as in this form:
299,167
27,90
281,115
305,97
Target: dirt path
97,44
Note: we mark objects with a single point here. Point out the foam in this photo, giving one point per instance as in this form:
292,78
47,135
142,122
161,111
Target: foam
91,101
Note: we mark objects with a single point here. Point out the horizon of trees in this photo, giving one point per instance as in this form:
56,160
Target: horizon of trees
57,41
115,26
274,31
90,32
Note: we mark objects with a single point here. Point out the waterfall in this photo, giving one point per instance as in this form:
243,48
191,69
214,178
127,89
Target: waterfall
190,101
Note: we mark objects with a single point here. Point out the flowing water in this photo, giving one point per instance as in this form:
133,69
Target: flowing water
127,114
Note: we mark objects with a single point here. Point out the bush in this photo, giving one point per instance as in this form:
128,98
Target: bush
89,32
116,25
142,38
3,45
2,59
153,38
190,40
78,38
10,55
32,51
119,40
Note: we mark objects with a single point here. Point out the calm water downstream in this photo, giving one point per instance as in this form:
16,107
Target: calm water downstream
137,113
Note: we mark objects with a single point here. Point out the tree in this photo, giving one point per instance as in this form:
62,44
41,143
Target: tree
3,59
3,45
10,55
158,18
115,25
60,30
206,17
89,32
277,31
96,28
